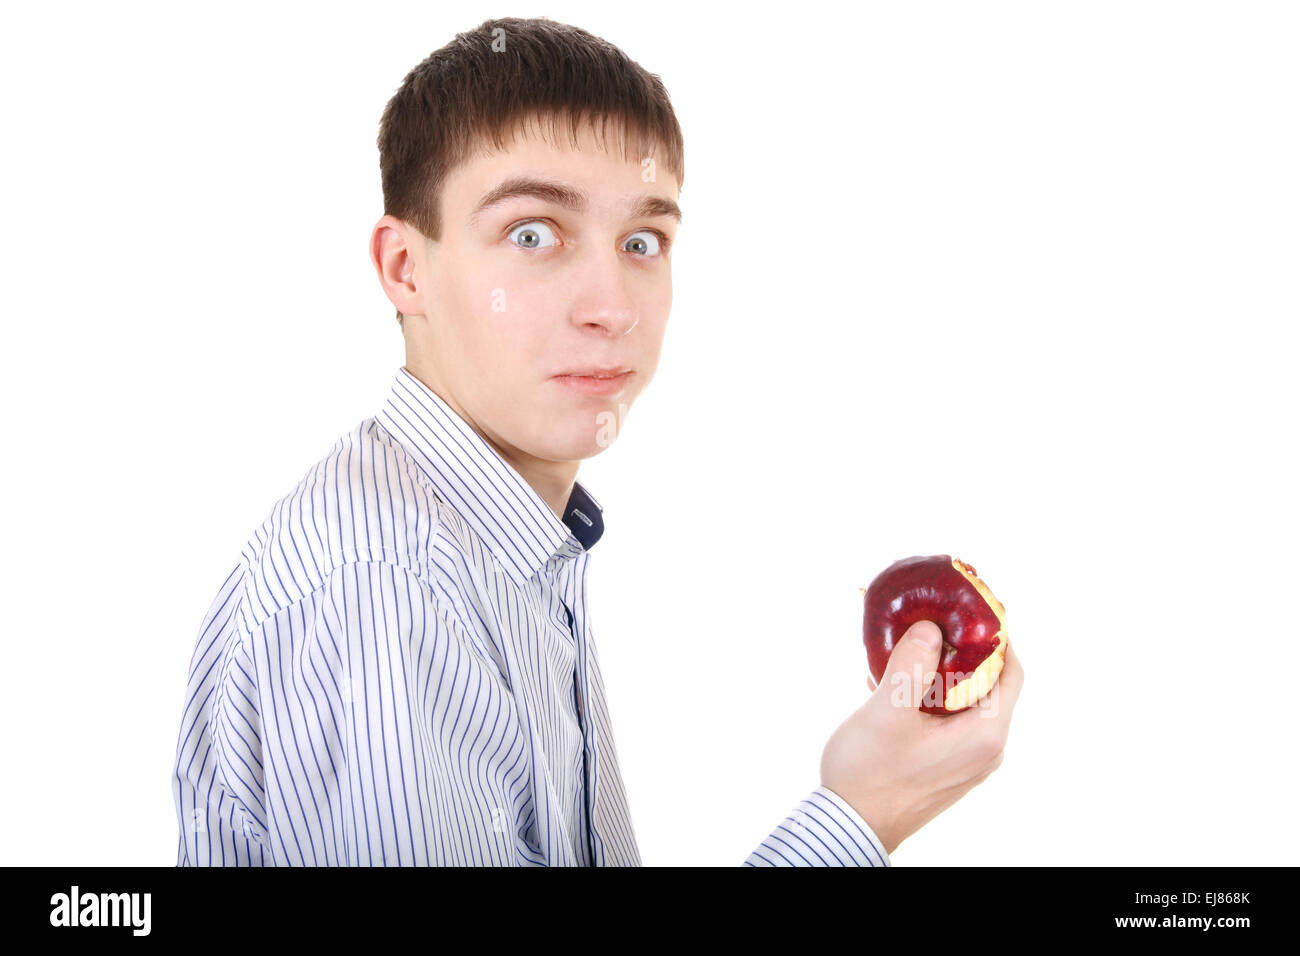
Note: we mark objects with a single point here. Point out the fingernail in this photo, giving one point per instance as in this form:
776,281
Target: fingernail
928,635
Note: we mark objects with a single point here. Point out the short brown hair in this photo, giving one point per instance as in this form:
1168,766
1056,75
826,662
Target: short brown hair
487,81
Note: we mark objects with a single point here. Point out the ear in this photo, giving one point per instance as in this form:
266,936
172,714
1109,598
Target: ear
396,254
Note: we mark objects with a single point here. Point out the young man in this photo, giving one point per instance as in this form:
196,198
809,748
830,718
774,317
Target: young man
400,668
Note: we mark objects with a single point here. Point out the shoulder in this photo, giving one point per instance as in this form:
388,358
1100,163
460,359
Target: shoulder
363,503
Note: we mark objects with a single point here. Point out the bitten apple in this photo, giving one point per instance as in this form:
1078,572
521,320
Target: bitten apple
947,591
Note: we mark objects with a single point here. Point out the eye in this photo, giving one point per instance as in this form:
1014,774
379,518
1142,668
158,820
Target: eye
647,242
534,234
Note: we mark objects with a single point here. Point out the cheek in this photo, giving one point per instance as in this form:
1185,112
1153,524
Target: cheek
655,299
510,329
654,310
493,315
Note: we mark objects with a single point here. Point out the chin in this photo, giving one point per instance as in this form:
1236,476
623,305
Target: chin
586,431
549,440
585,439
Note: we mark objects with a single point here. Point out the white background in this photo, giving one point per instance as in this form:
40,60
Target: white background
1011,281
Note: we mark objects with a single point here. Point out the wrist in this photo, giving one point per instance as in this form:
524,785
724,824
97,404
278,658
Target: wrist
873,814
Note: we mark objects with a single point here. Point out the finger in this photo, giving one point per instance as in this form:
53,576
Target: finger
1000,701
1012,678
989,707
987,773
913,663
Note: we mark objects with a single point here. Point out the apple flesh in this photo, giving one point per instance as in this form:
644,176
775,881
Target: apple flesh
947,591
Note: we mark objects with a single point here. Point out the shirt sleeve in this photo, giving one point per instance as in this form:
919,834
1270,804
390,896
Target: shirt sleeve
328,733
823,830
217,783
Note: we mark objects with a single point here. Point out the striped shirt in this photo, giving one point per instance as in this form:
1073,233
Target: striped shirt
400,669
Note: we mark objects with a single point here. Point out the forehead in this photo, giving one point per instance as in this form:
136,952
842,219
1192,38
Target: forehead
601,167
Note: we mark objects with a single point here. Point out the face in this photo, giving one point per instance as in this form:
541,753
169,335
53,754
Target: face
553,260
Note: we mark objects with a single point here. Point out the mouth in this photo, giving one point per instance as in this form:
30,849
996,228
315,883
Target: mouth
609,371
607,381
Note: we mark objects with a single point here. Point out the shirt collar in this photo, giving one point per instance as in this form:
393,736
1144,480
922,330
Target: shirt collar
485,490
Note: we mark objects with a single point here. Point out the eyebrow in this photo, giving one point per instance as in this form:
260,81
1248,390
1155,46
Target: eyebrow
566,196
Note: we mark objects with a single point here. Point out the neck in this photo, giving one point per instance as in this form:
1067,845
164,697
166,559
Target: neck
552,480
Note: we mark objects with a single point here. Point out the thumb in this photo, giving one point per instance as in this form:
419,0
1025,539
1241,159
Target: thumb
913,663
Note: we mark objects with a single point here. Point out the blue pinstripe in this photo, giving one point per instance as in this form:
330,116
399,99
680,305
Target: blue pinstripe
400,670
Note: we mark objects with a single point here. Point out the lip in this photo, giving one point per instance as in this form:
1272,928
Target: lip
609,381
597,371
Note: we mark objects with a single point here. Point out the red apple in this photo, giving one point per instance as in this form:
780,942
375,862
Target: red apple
947,591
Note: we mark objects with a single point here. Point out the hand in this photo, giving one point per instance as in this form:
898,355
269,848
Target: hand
900,767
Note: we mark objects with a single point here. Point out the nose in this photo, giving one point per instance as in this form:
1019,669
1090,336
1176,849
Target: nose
603,301
617,323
